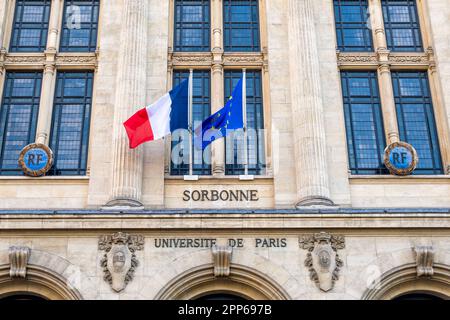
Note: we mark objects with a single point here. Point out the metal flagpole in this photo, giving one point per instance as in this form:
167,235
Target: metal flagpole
191,157
244,117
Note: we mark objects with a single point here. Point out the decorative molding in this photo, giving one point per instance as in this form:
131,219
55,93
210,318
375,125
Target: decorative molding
182,59
238,60
424,260
222,260
383,56
322,260
25,59
119,261
18,260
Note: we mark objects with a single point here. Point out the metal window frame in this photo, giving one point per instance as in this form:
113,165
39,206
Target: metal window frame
340,26
92,26
253,25
414,26
59,102
375,101
7,100
179,25
203,101
427,103
18,26
252,107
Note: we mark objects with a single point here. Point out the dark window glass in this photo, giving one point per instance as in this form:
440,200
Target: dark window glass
416,121
201,109
18,117
352,25
401,24
80,26
30,28
70,125
363,122
192,25
241,25
234,153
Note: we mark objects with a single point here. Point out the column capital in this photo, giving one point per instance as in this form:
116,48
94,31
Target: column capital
384,68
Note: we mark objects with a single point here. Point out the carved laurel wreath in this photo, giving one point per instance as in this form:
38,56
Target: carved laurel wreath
133,242
309,242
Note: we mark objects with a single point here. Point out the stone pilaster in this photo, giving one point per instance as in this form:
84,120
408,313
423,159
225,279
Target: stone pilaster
307,107
384,72
3,9
388,103
2,72
218,147
53,28
377,24
130,96
46,103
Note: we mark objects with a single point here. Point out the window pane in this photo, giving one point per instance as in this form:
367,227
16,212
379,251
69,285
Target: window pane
416,119
80,26
353,33
30,27
201,109
402,25
18,117
70,126
234,145
364,123
241,25
192,26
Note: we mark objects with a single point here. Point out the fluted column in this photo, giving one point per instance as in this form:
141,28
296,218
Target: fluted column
307,107
130,96
217,102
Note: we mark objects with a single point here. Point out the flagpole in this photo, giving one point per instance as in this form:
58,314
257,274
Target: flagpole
191,77
244,118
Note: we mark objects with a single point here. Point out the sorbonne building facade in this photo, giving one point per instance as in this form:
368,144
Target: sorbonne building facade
313,214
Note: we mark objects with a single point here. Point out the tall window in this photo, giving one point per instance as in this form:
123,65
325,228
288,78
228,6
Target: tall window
352,25
201,109
401,24
70,124
18,117
235,156
364,122
416,119
80,25
241,25
192,25
30,26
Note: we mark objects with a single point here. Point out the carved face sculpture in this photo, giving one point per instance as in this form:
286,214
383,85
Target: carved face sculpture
118,264
324,260
119,261
324,263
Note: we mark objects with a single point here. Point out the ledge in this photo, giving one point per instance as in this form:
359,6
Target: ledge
45,178
351,219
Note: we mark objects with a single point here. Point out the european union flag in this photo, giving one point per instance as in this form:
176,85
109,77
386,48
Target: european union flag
223,121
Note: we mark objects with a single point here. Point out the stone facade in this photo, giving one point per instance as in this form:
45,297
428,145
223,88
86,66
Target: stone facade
307,188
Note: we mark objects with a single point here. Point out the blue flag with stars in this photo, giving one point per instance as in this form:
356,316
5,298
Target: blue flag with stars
222,122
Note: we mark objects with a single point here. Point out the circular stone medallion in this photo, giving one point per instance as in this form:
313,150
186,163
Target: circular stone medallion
36,159
400,158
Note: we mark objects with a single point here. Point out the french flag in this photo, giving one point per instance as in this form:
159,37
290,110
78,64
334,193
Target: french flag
156,121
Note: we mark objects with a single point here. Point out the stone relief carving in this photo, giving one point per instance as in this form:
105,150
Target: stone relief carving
322,260
76,59
24,59
222,260
345,58
408,59
119,261
424,260
18,259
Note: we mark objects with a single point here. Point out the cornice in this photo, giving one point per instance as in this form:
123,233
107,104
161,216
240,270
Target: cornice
40,60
